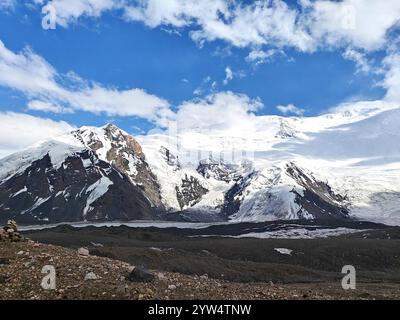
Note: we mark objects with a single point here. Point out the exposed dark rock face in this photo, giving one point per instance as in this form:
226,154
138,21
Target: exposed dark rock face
190,192
170,158
318,197
81,188
217,170
285,131
126,155
234,195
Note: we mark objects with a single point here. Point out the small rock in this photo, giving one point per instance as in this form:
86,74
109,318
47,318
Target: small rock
83,252
141,275
20,253
91,276
171,287
161,276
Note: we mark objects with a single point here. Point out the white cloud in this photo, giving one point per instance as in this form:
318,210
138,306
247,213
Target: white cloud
224,112
392,78
362,24
69,11
47,106
258,56
19,130
291,109
206,85
263,26
359,58
228,75
259,23
50,91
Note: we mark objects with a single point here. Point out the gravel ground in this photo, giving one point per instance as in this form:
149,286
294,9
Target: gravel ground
21,264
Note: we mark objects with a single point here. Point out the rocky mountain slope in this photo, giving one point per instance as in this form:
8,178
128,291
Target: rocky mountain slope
336,166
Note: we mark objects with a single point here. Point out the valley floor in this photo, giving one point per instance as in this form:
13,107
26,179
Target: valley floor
20,278
189,266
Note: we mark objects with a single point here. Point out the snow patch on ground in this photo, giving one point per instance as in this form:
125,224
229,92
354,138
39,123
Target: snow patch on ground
284,251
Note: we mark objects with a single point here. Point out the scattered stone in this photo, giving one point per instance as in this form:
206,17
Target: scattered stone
171,287
83,252
91,276
161,276
141,275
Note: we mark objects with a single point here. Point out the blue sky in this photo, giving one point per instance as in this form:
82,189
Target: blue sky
121,50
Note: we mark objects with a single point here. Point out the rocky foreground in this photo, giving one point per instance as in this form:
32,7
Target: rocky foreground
79,275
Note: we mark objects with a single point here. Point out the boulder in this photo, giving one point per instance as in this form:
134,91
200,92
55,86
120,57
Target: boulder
83,252
141,275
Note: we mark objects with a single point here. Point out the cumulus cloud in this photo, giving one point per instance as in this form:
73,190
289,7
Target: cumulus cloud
362,24
50,91
291,109
19,130
224,112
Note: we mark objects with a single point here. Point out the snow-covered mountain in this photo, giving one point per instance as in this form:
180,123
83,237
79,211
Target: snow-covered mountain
341,165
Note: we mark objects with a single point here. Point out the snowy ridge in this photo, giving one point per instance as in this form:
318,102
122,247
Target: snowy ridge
58,149
340,165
